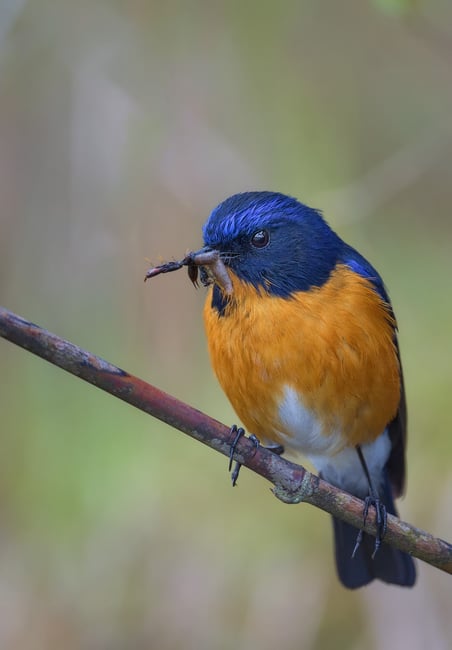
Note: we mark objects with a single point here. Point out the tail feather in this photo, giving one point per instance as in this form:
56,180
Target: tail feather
389,565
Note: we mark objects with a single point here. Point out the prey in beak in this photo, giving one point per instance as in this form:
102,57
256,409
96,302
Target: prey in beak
207,261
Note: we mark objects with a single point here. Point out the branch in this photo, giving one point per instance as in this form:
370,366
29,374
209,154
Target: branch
292,483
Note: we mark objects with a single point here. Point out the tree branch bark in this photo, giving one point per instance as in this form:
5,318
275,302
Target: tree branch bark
292,483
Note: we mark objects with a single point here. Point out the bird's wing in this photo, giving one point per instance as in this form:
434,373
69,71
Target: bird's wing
397,428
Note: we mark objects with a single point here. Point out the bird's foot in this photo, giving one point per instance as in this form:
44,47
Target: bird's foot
381,523
238,433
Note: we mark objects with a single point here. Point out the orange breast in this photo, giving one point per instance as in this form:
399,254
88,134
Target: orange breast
332,348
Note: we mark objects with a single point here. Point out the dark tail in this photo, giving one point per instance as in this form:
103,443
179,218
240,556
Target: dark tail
389,565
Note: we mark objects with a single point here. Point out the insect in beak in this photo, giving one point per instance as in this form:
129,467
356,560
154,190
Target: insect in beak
207,262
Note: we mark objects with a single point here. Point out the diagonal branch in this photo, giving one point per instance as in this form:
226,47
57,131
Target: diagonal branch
292,483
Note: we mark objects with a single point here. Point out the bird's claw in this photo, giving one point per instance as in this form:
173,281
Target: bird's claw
239,433
381,517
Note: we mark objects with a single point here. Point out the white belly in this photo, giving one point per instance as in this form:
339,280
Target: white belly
338,464
302,431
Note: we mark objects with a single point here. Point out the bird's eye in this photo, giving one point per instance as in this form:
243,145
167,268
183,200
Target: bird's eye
260,239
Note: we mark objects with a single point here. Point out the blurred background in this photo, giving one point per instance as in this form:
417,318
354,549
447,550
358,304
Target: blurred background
121,126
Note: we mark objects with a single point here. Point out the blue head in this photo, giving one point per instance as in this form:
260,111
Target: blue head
273,242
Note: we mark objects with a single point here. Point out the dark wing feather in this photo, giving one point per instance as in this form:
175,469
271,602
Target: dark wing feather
397,428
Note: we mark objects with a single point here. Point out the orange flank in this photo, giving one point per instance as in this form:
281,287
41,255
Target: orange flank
324,357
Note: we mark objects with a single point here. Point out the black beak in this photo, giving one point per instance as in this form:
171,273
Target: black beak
209,259
210,262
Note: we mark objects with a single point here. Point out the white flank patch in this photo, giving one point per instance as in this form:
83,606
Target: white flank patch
304,430
344,469
305,435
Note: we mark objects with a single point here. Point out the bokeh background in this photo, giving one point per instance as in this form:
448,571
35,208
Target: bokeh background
122,124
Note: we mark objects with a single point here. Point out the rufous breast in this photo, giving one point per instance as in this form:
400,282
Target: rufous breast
317,371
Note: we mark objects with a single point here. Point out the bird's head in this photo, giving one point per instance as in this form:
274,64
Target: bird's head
269,240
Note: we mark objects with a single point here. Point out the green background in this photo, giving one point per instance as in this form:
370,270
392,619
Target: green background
122,124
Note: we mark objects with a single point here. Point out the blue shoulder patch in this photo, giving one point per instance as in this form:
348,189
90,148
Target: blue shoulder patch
360,265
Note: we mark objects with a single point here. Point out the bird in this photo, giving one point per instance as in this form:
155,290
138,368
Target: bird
303,340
